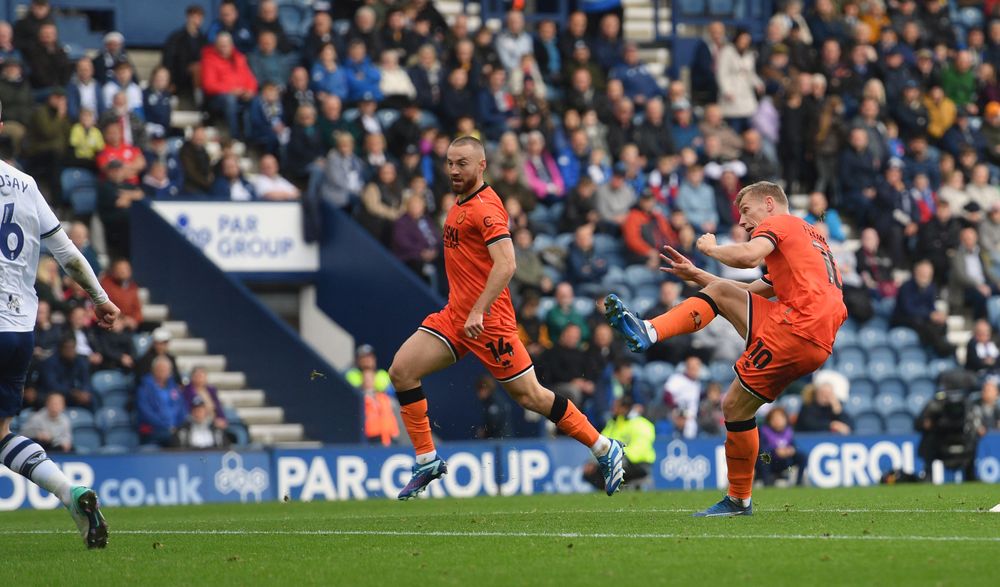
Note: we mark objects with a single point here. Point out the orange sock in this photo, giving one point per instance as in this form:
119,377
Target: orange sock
689,316
572,422
742,445
413,407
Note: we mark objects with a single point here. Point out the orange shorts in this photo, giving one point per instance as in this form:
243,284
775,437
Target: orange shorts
775,356
498,347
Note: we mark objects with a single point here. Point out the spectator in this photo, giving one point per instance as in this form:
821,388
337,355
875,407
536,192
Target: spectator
267,21
381,204
296,93
48,64
497,111
428,77
646,231
363,78
529,271
343,173
159,404
738,81
697,200
124,292
915,308
531,329
26,30
629,426
972,281
367,123
198,388
704,85
121,81
584,265
711,422
760,165
117,150
563,366
653,137
989,232
396,37
942,113
115,195
51,427
510,186
48,284
198,431
981,352
182,51
541,171
406,131
47,333
958,81
363,29
818,211
614,199
15,95
110,56
229,22
269,185
874,267
985,412
777,440
330,120
85,139
713,125
513,42
821,411
133,129
415,239
68,374
496,411
48,130
858,173
230,184
607,44
304,151
159,348
267,128
327,77
981,191
895,215
227,81
682,395
82,92
737,234
639,84
937,240
319,34
564,313
196,163
79,234
269,63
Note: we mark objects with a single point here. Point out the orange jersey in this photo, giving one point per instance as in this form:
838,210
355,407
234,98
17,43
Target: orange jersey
805,278
472,225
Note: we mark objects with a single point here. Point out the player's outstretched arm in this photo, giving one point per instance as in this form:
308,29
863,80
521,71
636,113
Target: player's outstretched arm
739,255
677,264
502,253
76,266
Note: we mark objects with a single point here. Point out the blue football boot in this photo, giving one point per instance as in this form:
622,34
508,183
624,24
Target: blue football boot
612,466
726,508
422,477
631,327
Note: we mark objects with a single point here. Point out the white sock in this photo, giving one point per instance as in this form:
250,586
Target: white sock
28,459
601,447
742,502
650,331
427,457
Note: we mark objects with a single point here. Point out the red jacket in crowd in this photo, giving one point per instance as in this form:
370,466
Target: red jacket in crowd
125,296
225,76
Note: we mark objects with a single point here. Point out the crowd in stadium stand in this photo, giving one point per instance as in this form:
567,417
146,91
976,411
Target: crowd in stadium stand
885,115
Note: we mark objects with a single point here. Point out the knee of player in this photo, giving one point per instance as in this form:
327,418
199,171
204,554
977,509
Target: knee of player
718,289
399,374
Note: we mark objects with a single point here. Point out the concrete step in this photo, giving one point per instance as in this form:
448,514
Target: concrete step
177,328
639,12
639,30
242,398
154,312
301,444
960,354
261,415
271,433
188,346
143,295
227,379
185,118
449,7
957,323
211,363
959,337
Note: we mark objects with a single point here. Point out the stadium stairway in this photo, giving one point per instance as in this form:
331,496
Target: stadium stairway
265,424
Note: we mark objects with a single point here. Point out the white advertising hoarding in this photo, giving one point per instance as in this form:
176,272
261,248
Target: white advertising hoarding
245,237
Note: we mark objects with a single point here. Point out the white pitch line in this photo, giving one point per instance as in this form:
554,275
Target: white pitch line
457,534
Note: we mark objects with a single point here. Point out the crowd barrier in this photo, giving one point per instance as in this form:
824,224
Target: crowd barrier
476,468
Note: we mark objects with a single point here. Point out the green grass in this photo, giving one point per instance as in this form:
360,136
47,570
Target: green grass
901,535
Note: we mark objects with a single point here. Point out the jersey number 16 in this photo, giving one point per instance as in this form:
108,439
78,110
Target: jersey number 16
11,235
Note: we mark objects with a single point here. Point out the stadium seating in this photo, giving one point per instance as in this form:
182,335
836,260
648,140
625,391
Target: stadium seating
900,338
656,374
115,399
104,382
86,438
80,417
862,387
899,423
642,305
584,306
721,372
851,362
857,405
124,436
110,417
791,402
871,337
79,188
868,423
888,402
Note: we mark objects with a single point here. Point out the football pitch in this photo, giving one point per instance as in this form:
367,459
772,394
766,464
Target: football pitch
889,535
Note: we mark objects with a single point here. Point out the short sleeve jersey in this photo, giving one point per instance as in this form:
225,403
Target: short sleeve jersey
472,225
805,278
26,220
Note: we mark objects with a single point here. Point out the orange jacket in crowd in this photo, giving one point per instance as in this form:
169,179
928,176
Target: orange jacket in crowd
125,297
225,76
380,421
646,232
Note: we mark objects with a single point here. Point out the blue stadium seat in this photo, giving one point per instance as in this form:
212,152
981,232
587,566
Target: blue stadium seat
648,290
240,433
792,403
939,365
721,372
142,343
909,370
899,423
845,338
902,337
883,354
115,399
881,369
554,274
113,449
86,439
993,310
849,325
544,305
638,275
914,354
656,374
863,387
641,305
108,418
870,337
917,398
564,240
892,385
584,306
542,241
876,323
231,414
858,404
868,423
107,381
884,307
851,362
80,417
122,436
887,403
605,243
79,188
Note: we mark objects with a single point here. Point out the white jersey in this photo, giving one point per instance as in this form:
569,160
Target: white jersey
25,219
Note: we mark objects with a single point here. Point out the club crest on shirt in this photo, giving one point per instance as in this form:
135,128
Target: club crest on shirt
488,221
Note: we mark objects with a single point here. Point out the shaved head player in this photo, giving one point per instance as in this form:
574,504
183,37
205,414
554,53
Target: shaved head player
479,318
786,338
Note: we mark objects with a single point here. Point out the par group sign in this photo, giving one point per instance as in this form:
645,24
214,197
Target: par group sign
245,237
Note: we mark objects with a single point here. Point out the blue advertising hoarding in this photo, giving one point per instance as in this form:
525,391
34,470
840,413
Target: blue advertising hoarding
527,467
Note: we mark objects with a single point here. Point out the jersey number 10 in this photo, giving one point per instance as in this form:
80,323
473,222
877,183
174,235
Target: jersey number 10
9,229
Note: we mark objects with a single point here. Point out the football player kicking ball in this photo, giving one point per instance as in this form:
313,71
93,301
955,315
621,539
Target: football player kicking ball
479,318
785,338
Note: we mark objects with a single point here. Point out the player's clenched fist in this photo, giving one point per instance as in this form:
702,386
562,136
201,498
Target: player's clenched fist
474,324
706,243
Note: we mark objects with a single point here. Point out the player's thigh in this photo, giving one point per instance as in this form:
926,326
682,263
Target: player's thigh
774,359
16,349
422,354
529,393
732,302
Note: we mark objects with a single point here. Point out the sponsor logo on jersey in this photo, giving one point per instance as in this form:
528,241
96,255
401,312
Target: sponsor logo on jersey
450,237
